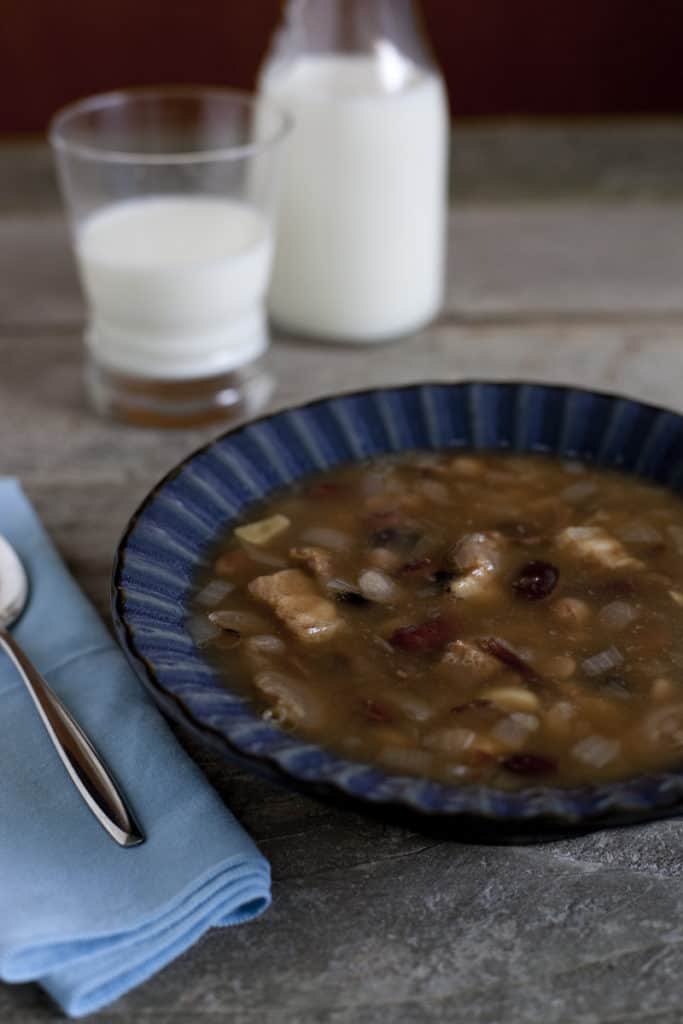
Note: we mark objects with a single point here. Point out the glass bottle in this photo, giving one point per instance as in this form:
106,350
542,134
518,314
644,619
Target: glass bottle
360,253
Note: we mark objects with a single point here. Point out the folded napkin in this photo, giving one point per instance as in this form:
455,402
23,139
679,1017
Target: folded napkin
82,916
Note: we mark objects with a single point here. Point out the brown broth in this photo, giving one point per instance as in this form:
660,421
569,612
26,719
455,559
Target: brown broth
447,621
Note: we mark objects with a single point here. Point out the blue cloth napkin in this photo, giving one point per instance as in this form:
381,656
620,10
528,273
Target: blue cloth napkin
80,915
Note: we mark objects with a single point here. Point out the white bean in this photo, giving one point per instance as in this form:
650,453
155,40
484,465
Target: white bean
377,586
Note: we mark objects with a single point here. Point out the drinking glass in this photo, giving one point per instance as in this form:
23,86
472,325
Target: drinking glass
171,198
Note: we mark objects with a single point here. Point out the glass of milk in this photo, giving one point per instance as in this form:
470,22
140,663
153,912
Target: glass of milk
360,252
171,197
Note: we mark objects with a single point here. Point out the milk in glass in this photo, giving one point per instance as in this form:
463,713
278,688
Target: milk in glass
176,285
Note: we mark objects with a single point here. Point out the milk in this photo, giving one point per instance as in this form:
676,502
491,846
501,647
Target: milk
361,227
176,285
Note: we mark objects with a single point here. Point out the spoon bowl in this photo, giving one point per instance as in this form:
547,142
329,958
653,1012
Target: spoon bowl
13,585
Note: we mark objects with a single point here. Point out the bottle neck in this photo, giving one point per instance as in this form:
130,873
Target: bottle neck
351,27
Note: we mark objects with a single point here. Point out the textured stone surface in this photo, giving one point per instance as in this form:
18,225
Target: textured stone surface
371,922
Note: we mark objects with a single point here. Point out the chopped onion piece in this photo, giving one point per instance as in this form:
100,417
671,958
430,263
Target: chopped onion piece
202,630
377,586
243,622
214,592
382,643
264,557
339,585
268,643
604,661
617,614
514,730
596,751
326,537
292,701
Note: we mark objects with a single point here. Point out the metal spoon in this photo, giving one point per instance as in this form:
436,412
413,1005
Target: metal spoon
89,775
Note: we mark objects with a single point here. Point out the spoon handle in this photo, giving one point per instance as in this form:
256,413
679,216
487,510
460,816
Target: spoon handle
89,775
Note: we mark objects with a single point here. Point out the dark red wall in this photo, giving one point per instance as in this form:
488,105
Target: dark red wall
500,57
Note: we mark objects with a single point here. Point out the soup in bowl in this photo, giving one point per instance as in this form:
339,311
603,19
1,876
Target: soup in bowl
456,599
469,617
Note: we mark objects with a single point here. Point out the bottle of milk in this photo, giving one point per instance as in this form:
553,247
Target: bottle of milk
360,251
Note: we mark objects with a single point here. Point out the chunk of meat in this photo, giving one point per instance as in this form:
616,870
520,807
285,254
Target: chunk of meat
478,551
595,544
293,597
292,701
461,654
477,557
474,585
318,560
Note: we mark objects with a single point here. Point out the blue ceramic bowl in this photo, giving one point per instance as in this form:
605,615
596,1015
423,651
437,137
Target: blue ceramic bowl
168,537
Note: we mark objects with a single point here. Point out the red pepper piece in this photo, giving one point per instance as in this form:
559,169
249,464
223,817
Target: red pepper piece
376,712
431,635
497,649
419,566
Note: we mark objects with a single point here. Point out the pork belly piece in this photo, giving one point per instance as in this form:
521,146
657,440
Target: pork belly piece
594,544
294,598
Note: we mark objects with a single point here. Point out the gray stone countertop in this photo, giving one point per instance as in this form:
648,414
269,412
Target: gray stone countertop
576,278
